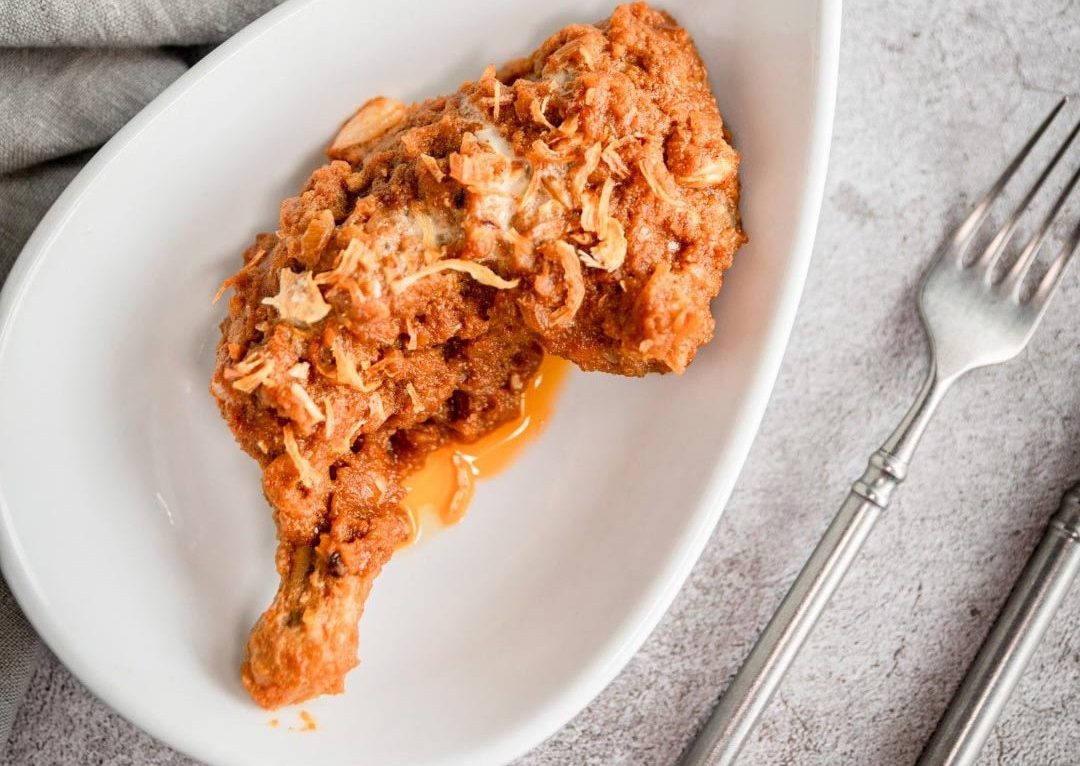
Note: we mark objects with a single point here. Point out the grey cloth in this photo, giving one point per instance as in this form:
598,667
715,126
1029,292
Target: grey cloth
20,652
72,72
25,195
58,101
131,23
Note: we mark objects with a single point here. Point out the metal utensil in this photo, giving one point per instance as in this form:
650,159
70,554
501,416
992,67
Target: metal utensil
1008,648
971,320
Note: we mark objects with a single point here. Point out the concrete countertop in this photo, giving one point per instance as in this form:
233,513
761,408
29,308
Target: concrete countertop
933,97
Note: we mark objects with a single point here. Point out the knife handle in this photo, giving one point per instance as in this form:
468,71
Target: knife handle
1012,641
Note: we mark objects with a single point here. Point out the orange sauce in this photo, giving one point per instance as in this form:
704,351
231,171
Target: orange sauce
440,493
308,722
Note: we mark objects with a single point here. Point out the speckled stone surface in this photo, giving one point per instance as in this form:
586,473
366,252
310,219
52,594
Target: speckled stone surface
932,97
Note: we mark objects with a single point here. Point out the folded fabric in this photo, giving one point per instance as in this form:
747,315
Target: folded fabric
106,23
59,101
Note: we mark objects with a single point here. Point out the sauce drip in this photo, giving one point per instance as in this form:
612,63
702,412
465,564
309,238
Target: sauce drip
440,492
307,722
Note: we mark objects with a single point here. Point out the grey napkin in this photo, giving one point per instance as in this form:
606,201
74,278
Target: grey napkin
72,72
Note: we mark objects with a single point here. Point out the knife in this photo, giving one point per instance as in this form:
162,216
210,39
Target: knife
1012,641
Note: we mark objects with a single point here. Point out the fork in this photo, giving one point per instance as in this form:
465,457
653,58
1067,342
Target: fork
972,319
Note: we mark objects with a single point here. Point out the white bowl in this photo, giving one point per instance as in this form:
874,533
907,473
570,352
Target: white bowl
134,533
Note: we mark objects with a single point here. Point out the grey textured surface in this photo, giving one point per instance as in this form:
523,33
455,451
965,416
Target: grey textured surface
932,97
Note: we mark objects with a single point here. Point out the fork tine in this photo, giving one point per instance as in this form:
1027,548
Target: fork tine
994,250
967,229
1052,277
1014,280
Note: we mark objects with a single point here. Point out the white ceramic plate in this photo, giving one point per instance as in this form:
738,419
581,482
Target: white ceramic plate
134,533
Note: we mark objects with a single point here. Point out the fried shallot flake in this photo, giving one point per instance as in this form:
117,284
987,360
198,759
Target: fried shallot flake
711,174
652,173
298,299
306,473
478,271
432,166
371,120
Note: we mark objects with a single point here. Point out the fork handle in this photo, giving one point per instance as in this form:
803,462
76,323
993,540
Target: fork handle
1012,641
719,741
748,696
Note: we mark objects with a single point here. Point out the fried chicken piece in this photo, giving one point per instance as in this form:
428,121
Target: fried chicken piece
582,202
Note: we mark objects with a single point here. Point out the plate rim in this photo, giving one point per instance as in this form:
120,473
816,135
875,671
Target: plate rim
656,600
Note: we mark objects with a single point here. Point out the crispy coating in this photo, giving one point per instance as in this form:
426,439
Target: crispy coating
581,202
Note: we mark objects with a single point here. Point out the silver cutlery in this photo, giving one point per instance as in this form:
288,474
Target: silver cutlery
972,320
1008,648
